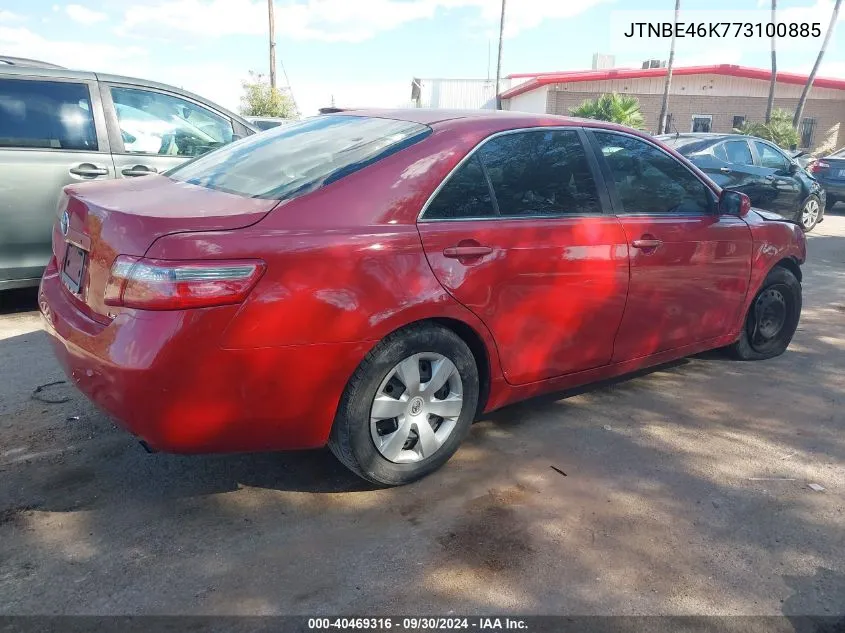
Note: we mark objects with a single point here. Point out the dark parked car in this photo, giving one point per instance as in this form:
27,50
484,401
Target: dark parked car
773,180
830,172
402,273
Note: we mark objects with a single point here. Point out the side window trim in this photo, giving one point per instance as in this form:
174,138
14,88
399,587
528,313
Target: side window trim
100,128
598,177
113,124
618,208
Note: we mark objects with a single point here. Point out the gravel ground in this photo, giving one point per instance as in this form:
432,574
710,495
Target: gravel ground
686,492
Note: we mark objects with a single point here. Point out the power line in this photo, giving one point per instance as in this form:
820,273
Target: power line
290,88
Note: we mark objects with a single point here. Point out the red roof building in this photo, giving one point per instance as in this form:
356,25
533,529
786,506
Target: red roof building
702,98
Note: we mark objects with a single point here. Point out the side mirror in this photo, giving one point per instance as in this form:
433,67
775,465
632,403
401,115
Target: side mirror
734,203
793,168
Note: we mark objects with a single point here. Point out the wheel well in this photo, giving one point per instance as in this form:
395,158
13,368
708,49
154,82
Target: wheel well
791,264
479,351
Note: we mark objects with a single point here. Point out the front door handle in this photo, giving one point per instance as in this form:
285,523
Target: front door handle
725,170
457,252
770,177
88,170
646,243
138,170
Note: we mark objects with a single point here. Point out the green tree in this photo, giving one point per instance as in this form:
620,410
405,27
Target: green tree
261,99
622,109
778,130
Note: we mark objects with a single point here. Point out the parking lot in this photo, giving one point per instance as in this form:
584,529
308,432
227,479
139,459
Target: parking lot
685,491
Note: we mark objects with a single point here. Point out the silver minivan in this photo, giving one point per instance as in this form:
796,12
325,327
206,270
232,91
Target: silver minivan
62,126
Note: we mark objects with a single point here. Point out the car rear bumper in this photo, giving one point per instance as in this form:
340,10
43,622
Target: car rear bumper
835,189
164,378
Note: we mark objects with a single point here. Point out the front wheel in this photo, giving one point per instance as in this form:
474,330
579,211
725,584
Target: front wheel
407,407
772,318
810,213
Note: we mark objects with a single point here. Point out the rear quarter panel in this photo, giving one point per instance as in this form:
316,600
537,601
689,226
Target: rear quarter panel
345,263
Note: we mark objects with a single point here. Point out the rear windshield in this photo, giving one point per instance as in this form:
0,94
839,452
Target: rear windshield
294,159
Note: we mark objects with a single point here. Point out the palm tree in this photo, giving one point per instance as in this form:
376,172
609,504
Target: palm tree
622,109
773,81
664,107
799,111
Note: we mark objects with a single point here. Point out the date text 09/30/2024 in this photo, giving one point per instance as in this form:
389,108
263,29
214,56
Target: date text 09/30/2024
418,624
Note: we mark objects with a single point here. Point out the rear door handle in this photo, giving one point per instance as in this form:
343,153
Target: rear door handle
87,170
456,252
770,177
138,170
725,170
646,243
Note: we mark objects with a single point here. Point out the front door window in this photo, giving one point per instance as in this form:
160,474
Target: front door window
162,124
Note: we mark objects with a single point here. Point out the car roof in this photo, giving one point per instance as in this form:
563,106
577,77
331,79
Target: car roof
494,119
83,75
8,60
700,136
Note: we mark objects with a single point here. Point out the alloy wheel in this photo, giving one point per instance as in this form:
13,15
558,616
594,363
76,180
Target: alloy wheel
810,213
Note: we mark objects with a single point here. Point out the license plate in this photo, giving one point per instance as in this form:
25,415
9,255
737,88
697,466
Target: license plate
842,173
73,268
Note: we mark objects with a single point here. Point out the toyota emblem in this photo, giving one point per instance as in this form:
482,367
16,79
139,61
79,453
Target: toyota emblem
64,223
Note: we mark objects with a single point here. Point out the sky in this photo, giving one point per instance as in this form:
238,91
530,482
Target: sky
365,52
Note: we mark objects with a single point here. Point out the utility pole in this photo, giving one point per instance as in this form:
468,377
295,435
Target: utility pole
272,44
499,62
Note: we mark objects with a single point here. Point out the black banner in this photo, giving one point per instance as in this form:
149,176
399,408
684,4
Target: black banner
379,624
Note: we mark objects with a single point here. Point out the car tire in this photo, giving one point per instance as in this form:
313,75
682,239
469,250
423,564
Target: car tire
387,373
772,317
810,213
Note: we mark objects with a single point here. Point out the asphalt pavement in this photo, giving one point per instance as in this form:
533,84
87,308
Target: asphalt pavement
682,490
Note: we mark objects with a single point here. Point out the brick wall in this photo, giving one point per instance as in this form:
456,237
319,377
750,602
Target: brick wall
829,114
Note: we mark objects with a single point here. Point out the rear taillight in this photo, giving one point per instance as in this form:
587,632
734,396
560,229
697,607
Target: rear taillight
156,284
818,166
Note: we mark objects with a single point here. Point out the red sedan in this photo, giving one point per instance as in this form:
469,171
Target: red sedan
375,280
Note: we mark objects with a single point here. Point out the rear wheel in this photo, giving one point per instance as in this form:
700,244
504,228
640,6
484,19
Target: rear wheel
772,318
810,213
407,407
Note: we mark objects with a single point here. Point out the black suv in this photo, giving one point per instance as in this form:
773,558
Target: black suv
774,181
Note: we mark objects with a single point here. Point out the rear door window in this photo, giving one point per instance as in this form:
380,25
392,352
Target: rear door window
540,173
46,114
465,195
290,160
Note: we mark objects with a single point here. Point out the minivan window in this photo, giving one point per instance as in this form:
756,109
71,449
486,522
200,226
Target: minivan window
46,114
157,123
650,181
541,172
294,159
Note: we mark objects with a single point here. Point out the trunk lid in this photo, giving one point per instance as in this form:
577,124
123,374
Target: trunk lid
124,217
836,171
